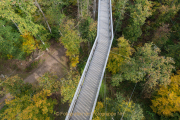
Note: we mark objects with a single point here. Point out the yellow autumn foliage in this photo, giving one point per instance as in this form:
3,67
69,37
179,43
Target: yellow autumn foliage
74,61
167,100
69,86
99,108
26,107
29,43
9,56
71,41
119,55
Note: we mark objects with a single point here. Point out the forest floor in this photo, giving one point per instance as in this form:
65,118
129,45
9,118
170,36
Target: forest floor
53,60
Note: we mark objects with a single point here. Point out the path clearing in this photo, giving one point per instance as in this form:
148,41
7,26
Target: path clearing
54,61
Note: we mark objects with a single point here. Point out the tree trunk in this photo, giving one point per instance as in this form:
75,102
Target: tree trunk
17,26
78,12
94,10
37,4
81,9
78,8
43,43
89,47
87,7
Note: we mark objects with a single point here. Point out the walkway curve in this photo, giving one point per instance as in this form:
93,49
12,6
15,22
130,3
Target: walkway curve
85,98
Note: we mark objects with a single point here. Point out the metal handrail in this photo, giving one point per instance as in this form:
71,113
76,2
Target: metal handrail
84,71
112,36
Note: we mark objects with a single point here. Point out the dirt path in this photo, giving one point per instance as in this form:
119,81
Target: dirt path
54,61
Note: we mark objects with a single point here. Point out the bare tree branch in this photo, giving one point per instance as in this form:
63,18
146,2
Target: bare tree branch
37,4
16,26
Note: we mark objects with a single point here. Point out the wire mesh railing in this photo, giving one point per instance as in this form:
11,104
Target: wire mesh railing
75,98
112,36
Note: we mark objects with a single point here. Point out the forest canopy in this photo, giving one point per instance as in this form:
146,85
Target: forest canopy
142,76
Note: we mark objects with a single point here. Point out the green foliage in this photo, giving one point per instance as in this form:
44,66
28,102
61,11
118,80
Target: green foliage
84,27
92,32
37,107
32,65
147,66
24,19
119,55
81,66
2,110
161,35
24,25
54,16
174,52
167,12
118,8
88,30
175,35
44,46
29,44
71,41
170,2
55,33
118,106
10,42
176,116
16,86
133,110
20,15
106,109
84,8
69,86
167,100
103,91
151,114
138,12
50,82
30,102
